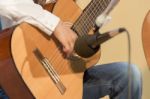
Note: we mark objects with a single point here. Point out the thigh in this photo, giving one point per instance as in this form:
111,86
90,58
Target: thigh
106,79
106,72
97,80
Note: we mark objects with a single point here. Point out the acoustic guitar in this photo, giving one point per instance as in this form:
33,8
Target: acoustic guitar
146,37
32,64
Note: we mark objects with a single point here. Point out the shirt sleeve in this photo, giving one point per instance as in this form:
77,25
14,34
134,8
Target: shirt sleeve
50,1
28,11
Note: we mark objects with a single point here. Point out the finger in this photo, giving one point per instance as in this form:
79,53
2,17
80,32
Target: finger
67,49
74,38
71,44
71,47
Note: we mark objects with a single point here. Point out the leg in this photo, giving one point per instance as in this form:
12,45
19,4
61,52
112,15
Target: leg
111,79
2,94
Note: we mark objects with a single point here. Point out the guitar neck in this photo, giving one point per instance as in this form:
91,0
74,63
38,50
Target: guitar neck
87,19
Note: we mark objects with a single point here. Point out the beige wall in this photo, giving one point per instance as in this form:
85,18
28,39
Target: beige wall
129,14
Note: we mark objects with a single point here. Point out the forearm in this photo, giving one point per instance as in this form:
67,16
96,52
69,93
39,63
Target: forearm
31,13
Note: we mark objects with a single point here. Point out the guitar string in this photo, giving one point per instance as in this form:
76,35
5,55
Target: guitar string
90,18
95,14
103,7
61,63
98,12
81,22
64,62
95,8
78,22
55,57
53,73
54,54
83,32
56,51
99,8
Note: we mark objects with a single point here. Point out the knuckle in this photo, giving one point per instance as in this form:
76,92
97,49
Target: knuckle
67,48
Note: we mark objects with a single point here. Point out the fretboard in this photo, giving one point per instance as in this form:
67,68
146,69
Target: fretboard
86,21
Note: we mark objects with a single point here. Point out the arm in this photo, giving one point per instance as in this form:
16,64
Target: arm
28,11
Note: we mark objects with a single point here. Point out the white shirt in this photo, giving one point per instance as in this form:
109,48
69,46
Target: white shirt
14,12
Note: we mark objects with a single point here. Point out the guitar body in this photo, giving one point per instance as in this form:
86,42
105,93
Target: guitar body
25,39
146,37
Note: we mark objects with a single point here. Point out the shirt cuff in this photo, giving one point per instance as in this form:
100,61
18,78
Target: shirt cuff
49,21
50,1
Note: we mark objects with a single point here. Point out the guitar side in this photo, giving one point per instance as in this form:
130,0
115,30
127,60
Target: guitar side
10,79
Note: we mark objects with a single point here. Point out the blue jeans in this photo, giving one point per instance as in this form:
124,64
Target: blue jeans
108,79
111,79
3,95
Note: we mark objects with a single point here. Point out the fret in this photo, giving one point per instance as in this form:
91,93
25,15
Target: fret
87,15
87,19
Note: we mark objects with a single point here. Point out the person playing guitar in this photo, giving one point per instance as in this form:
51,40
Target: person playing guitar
98,81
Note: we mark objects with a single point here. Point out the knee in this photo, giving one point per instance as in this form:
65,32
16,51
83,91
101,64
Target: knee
123,70
135,74
136,80
136,77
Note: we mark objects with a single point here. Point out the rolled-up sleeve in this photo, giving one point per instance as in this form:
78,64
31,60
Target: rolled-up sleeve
28,11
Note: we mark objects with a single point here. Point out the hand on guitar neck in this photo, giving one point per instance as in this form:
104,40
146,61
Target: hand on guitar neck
66,37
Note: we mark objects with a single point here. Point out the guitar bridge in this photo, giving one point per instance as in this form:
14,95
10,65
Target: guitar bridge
50,70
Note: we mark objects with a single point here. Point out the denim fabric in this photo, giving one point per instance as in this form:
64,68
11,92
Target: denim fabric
111,79
3,95
108,79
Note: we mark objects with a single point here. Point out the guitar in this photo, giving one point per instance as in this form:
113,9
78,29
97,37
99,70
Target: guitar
146,36
32,64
